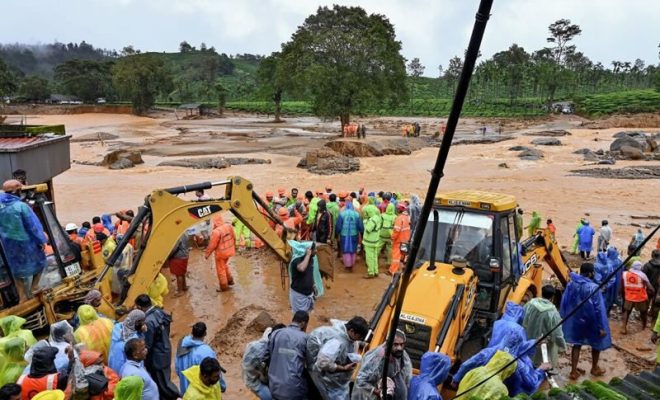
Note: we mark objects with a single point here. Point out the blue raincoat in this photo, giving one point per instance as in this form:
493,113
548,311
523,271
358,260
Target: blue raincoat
586,237
525,379
298,249
584,327
116,356
432,372
107,222
190,352
603,270
511,320
349,227
614,261
22,236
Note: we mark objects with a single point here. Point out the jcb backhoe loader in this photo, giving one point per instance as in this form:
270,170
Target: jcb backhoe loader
470,263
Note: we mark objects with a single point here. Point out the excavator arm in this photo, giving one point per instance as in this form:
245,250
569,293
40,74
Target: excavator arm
543,247
164,218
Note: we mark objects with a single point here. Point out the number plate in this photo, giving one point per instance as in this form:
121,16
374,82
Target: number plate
72,269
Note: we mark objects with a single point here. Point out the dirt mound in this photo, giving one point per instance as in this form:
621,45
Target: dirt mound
246,325
635,172
358,148
549,133
643,120
212,162
93,137
328,162
121,159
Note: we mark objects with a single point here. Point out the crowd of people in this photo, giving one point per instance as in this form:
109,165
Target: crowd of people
94,357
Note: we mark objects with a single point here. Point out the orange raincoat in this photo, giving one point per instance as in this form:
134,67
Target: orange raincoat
222,243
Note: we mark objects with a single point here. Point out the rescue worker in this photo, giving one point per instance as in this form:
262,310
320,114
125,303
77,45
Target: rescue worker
510,321
10,391
286,371
371,241
132,327
22,237
43,375
242,234
520,223
98,230
589,325
586,238
322,229
368,383
652,271
301,291
129,388
614,261
72,230
494,387
94,332
178,264
204,380
136,352
637,290
534,224
349,228
94,360
603,270
12,362
157,338
332,356
604,236
254,366
222,243
400,234
576,236
385,235
415,210
433,371
11,327
61,337
93,298
333,208
159,289
191,351
541,315
387,198
654,339
269,199
292,198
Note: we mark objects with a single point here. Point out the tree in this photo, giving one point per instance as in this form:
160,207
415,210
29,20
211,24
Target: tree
415,68
345,59
139,78
441,71
85,79
272,80
185,47
129,51
221,93
202,47
34,88
562,32
512,64
7,80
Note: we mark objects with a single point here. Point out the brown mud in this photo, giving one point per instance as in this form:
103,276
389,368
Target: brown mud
546,185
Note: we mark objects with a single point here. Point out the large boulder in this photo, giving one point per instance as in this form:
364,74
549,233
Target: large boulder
640,140
519,148
327,162
133,155
546,142
531,155
383,147
122,163
631,153
590,156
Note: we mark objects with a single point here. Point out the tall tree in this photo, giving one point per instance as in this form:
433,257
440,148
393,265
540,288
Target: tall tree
345,59
561,33
185,47
272,79
415,68
140,78
221,94
86,79
34,88
512,63
7,80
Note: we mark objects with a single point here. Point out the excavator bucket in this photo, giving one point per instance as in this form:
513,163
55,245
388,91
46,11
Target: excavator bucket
327,258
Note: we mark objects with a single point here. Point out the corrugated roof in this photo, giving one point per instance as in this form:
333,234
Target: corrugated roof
16,144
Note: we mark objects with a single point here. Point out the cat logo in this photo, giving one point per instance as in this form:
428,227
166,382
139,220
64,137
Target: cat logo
200,212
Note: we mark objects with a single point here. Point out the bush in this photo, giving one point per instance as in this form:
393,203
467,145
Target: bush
631,101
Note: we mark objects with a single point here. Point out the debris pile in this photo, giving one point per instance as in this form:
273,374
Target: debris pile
328,162
363,148
122,159
211,162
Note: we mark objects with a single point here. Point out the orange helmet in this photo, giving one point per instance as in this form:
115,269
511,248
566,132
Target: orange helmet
283,212
281,192
269,194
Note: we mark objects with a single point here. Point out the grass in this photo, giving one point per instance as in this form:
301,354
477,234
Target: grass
631,101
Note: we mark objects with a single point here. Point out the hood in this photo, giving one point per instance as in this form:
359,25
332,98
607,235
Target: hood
188,341
61,332
11,324
87,314
514,312
43,362
90,357
601,258
370,212
218,220
14,349
390,209
107,222
6,198
535,214
321,206
612,254
192,374
129,388
298,249
50,395
340,326
372,200
579,279
499,360
435,366
543,305
415,201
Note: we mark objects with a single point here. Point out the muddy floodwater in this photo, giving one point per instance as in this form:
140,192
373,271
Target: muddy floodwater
546,186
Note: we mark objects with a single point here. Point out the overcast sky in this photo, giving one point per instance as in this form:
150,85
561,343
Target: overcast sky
433,30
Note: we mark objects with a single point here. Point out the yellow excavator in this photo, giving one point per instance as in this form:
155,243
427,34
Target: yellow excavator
469,264
153,231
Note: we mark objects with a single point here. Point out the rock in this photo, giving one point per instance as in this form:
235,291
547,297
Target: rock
600,152
211,162
133,155
122,163
503,165
518,148
546,142
631,153
531,155
327,162
645,145
259,324
648,143
549,133
635,172
363,148
244,161
591,156
607,162
481,139
582,151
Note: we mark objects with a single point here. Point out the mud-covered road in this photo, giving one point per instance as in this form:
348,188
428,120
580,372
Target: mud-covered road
546,186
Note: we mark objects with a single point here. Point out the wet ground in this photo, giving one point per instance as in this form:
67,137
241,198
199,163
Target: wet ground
546,186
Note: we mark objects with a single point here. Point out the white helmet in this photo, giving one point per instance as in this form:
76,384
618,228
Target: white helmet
71,227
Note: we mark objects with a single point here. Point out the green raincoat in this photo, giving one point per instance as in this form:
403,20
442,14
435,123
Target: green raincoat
12,364
541,316
129,388
11,327
534,223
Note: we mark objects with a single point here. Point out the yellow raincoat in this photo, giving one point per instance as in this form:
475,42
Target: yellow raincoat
11,327
494,388
94,332
157,290
49,395
12,364
129,388
197,390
